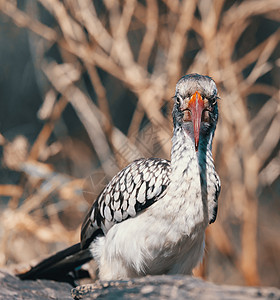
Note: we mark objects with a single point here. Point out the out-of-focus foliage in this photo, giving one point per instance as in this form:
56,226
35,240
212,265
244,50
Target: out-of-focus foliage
105,73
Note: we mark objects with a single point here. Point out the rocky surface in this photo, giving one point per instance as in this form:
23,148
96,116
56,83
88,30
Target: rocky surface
12,288
150,287
170,287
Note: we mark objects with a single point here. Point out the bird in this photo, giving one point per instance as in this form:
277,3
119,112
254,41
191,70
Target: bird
151,217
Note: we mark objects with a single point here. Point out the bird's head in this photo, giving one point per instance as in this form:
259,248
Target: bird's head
195,106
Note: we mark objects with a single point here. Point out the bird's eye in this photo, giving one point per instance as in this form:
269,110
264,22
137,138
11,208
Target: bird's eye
178,101
213,100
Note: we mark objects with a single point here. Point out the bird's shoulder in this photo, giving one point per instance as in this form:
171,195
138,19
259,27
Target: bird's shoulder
130,191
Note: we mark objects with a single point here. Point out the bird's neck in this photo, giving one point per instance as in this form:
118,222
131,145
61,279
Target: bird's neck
188,176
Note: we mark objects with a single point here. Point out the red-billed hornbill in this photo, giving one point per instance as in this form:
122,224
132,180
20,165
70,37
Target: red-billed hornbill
151,217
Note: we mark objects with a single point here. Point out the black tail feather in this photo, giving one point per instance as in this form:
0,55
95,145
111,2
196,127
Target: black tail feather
58,266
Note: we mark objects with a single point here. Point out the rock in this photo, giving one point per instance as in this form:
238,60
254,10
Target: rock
170,287
150,287
12,288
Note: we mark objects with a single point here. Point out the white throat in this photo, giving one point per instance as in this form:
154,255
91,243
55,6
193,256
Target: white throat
185,193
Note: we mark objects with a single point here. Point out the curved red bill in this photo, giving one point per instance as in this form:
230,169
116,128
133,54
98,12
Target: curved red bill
196,106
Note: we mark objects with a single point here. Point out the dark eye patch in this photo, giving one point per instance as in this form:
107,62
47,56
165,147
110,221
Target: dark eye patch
213,100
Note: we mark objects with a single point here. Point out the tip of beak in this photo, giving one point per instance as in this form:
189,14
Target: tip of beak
196,146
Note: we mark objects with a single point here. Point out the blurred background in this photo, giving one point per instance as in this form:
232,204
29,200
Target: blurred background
86,88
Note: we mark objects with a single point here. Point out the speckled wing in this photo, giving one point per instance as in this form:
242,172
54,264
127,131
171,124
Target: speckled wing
133,189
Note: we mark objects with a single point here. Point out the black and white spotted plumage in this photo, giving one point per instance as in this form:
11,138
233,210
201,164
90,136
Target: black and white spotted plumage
133,189
151,217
